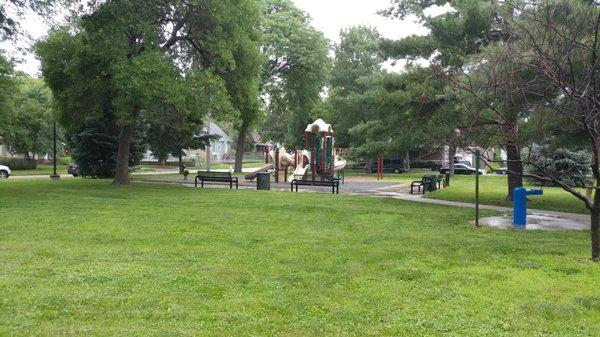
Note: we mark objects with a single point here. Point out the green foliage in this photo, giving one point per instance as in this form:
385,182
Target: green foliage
94,148
156,57
27,118
293,73
568,166
7,90
356,62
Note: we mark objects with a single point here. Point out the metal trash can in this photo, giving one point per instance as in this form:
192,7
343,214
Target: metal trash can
263,181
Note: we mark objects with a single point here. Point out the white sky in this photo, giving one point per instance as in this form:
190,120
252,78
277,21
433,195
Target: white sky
328,16
331,16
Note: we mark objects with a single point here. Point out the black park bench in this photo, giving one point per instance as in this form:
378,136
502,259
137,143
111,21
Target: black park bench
426,183
334,183
224,177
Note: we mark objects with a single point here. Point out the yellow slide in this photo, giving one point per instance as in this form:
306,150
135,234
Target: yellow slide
253,175
299,173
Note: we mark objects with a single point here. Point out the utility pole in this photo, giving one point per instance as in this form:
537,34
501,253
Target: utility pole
208,149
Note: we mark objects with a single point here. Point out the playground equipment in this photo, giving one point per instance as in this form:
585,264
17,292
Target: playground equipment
520,205
253,175
318,157
319,140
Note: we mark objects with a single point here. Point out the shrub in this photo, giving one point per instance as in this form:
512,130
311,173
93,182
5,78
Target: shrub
94,149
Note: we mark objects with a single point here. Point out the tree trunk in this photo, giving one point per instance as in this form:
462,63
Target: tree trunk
407,161
451,155
162,160
595,222
122,176
514,166
239,150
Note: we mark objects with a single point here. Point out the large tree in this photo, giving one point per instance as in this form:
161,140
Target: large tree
128,56
556,45
453,37
27,118
357,59
294,71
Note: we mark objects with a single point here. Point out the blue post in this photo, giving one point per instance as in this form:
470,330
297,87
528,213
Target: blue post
520,205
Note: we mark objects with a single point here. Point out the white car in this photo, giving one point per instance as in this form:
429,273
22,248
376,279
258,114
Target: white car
4,172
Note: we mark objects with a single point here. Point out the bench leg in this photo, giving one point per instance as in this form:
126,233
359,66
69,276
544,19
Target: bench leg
236,184
202,183
196,182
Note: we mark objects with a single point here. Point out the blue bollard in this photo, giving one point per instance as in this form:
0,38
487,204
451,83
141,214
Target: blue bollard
520,205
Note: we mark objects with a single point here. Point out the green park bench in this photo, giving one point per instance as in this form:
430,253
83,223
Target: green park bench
211,176
333,182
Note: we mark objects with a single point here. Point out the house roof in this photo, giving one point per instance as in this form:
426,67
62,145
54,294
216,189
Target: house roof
216,130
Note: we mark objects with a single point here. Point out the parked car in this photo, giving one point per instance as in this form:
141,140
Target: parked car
73,170
462,169
390,166
502,170
5,172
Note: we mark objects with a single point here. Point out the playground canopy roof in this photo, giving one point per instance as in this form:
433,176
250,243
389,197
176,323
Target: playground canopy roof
319,126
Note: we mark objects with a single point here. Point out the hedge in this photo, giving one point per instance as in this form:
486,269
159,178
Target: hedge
19,163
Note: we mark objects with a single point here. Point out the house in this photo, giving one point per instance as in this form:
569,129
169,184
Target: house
219,148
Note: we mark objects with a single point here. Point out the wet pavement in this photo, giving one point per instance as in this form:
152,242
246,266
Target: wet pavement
536,222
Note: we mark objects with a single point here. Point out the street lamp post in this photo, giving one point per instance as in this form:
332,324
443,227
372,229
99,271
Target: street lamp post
477,165
54,175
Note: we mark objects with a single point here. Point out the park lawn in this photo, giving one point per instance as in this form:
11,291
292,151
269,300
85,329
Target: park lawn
82,257
493,190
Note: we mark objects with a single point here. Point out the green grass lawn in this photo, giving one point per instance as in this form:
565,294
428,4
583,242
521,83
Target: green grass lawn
493,190
42,170
82,257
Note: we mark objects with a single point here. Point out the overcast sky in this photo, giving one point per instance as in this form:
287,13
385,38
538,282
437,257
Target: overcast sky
328,16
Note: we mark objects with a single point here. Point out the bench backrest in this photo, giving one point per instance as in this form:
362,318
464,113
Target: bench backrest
212,174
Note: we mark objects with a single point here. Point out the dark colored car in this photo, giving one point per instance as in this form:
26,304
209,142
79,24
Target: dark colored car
461,169
390,166
73,170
